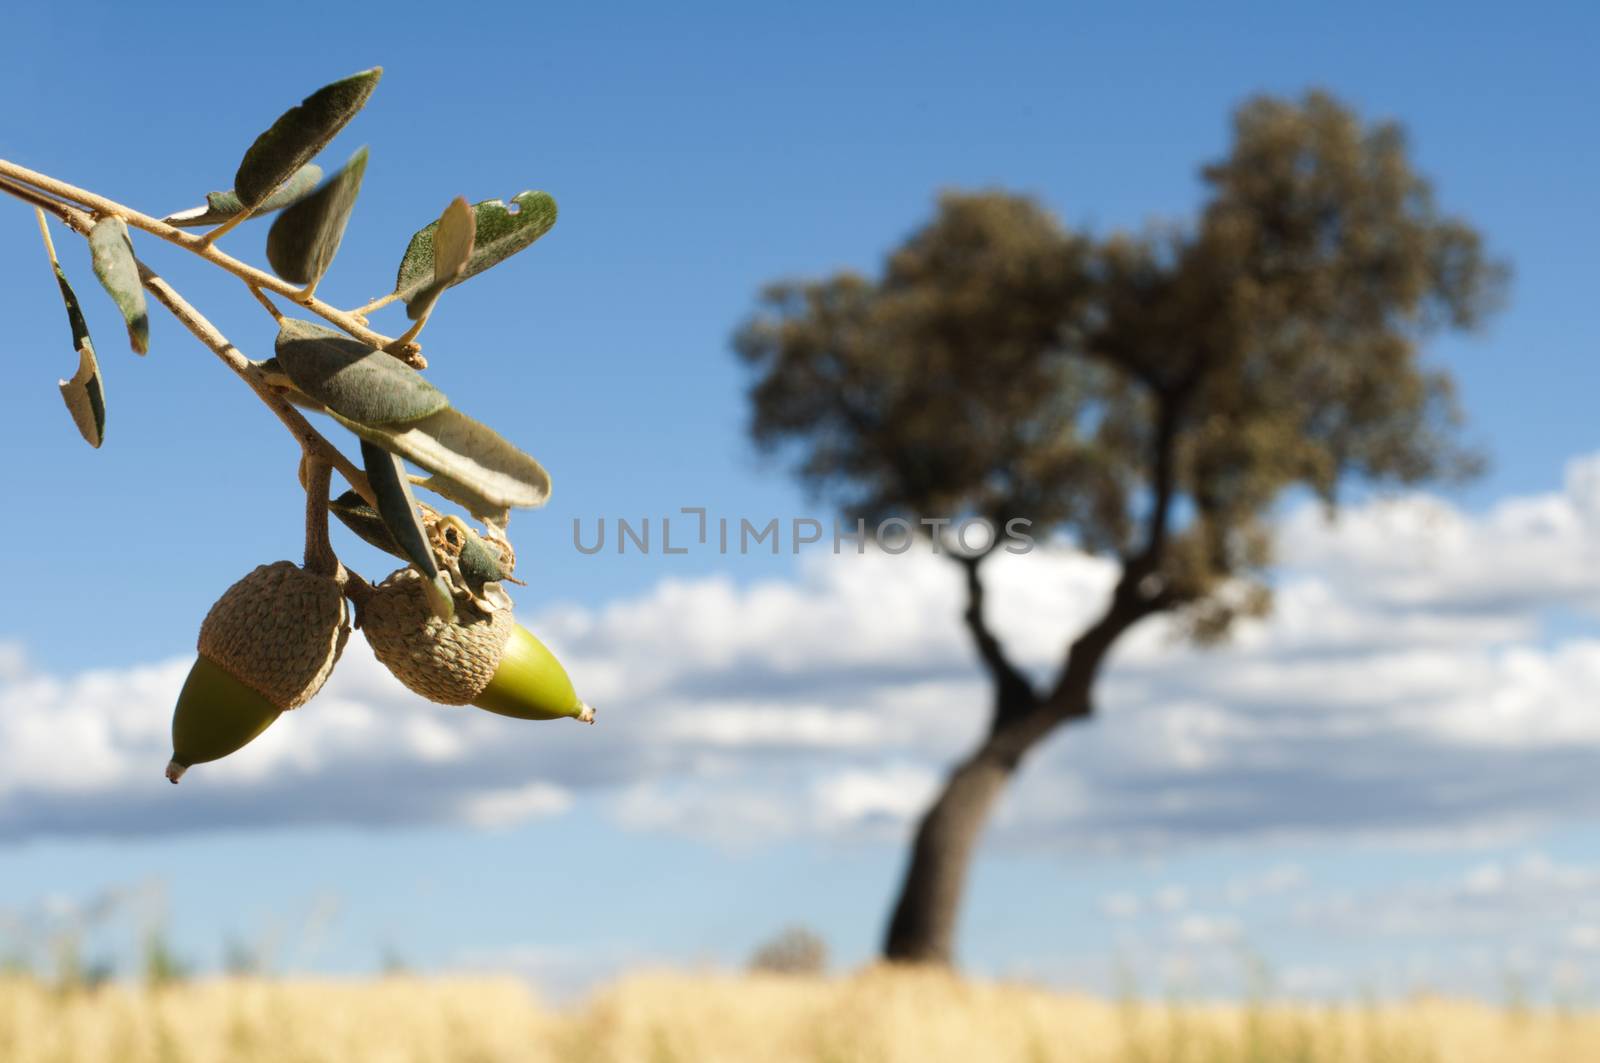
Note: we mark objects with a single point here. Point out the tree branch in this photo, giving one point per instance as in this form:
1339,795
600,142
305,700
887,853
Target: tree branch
1163,487
1011,686
200,245
32,197
1133,598
312,442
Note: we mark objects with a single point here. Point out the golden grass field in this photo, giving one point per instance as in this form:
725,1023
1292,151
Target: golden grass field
907,1017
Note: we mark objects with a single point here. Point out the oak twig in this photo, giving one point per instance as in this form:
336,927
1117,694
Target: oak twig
228,226
377,304
99,205
319,556
261,298
312,442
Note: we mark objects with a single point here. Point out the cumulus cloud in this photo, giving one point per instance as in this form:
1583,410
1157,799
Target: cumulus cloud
1121,905
1275,881
1530,896
1407,685
1458,924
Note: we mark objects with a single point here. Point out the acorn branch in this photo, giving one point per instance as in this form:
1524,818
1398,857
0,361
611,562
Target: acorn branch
312,443
39,183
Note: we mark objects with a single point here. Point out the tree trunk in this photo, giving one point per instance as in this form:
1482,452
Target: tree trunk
923,927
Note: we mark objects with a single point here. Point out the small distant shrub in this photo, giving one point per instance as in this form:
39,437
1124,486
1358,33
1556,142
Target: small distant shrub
240,959
795,950
392,963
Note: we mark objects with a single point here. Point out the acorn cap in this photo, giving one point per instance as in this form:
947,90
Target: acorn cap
450,662
279,631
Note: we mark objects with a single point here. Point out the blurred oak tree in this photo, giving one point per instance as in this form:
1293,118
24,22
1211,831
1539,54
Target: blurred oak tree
1146,396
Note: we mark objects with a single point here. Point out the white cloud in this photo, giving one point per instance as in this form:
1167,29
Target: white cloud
1405,687
1121,905
1172,898
1199,931
1450,924
501,808
1524,554
737,814
1529,898
1274,882
894,793
750,725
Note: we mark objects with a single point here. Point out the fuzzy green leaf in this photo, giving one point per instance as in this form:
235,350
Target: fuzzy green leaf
305,237
454,236
356,514
353,380
84,394
112,253
500,233
220,206
464,452
387,476
298,134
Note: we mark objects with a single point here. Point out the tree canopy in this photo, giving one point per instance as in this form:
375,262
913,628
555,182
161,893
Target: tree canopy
1151,393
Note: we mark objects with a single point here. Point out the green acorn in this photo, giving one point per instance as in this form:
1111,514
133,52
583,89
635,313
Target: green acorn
482,659
266,646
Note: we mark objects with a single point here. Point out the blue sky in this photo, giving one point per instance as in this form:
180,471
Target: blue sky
697,152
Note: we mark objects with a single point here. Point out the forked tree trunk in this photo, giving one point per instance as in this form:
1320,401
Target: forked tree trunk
923,926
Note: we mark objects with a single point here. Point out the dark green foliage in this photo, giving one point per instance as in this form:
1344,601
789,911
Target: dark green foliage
112,254
353,380
305,237
84,394
1150,394
220,206
907,391
501,233
298,134
397,507
354,513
